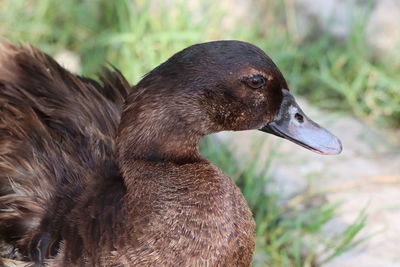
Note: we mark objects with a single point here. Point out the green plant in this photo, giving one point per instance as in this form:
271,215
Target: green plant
138,35
287,234
335,73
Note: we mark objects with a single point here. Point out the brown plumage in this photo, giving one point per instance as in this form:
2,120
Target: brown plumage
86,180
56,131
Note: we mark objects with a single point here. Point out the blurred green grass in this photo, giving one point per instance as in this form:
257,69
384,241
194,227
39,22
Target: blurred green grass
136,36
289,232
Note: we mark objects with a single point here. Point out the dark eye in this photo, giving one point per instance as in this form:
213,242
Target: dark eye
255,82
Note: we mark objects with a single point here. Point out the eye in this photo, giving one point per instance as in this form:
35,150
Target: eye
255,82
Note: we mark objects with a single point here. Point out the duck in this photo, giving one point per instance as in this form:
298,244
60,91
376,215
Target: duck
102,173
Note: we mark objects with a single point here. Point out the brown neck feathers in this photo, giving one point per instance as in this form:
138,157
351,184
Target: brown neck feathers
155,130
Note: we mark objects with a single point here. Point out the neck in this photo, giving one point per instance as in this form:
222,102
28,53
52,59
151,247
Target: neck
157,133
157,145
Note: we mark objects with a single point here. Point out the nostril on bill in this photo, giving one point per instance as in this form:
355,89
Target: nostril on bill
299,117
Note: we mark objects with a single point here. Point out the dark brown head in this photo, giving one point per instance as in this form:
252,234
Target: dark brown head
216,86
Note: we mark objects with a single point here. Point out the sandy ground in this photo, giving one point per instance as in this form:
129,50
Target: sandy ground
365,175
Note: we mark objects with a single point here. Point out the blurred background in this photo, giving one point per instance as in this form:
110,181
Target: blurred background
341,56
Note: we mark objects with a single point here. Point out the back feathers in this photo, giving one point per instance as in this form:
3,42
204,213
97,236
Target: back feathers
56,130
